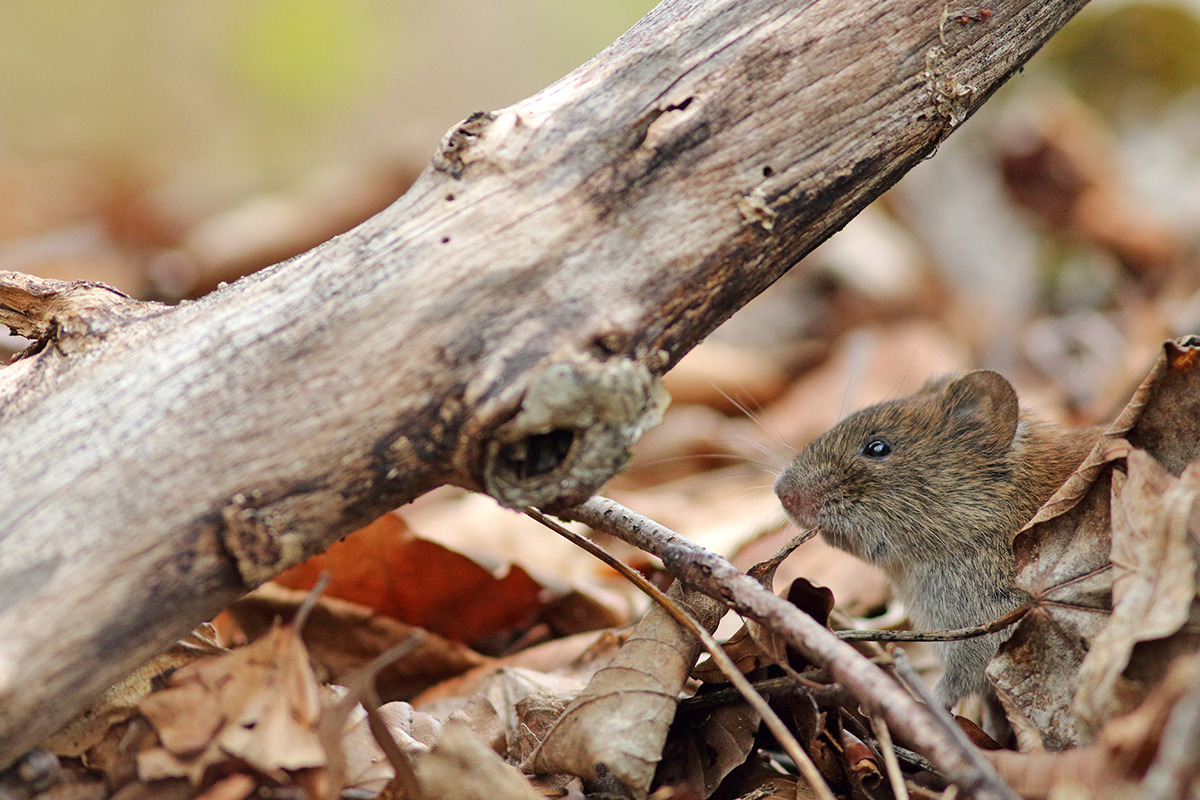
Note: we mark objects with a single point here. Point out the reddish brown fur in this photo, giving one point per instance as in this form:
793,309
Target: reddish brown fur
967,469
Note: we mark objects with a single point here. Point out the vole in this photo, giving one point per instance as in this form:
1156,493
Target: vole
932,488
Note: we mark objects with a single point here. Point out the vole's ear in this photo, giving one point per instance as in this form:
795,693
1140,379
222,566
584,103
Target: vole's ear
986,398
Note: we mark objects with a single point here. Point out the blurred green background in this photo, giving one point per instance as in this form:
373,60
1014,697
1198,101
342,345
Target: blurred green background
237,96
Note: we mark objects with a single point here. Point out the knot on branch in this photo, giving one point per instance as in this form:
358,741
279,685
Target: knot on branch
260,544
577,422
451,156
69,314
952,100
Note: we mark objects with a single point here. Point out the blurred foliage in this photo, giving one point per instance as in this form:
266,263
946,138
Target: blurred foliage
226,98
1130,59
299,54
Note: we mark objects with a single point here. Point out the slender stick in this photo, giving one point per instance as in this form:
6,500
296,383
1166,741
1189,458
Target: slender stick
792,747
904,669
884,736
361,689
879,694
952,635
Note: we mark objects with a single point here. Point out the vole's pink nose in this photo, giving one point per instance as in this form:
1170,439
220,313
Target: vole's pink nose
801,500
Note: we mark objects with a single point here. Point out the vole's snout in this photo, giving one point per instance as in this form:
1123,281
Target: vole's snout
800,498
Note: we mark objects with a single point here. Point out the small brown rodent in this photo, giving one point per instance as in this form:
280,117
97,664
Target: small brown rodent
932,488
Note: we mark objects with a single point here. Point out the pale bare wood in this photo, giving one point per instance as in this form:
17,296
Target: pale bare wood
501,326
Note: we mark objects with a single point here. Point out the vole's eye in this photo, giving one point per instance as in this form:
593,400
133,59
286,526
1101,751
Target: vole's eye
877,447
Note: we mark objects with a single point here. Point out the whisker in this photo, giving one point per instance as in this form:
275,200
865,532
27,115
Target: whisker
714,479
764,449
908,367
750,491
857,350
693,456
772,430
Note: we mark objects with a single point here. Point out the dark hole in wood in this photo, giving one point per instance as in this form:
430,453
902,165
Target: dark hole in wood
538,454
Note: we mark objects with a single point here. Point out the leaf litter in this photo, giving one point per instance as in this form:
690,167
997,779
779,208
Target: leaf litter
1110,564
1110,600
502,628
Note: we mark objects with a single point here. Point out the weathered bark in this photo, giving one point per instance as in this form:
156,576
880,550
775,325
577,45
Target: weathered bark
501,326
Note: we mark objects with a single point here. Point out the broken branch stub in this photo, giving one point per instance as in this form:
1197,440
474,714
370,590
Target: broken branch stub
577,424
71,314
501,327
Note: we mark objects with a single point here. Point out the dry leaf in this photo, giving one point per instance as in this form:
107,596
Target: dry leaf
745,652
1033,776
574,658
620,721
862,767
1063,561
1064,566
1132,741
518,691
1153,582
462,767
366,767
499,538
1119,758
762,780
700,753
120,701
259,703
115,756
385,566
536,714
1168,423
344,637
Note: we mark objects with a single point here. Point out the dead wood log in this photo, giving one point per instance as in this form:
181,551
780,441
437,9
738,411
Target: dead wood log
501,326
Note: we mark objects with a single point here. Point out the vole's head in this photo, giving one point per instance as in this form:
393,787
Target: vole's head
910,479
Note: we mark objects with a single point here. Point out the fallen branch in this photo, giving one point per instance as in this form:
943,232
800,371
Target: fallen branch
501,327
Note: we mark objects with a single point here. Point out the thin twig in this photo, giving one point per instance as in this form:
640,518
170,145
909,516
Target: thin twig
884,737
904,669
361,688
764,571
914,759
953,635
877,692
310,601
768,687
785,738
